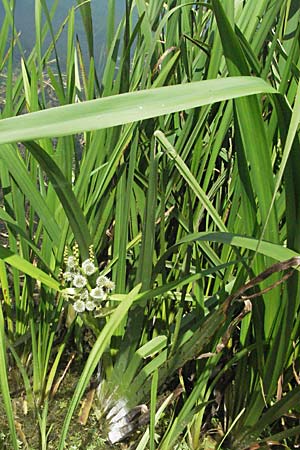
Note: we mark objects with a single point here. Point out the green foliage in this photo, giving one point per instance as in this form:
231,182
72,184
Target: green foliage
179,163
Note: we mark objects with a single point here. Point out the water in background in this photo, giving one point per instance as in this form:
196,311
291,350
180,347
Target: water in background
24,22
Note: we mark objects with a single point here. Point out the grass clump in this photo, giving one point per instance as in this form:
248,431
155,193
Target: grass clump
177,164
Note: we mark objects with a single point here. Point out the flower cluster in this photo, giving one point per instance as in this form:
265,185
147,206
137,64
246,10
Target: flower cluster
85,295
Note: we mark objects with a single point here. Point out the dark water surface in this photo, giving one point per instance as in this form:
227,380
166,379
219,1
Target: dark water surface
24,21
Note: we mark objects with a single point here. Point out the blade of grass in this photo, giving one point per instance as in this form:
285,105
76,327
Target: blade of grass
4,384
68,200
24,266
18,170
154,386
87,19
190,179
126,108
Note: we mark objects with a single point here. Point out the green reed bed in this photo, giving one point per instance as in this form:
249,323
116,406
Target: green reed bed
142,215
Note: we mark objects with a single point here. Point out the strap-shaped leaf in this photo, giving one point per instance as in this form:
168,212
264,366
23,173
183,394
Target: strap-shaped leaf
125,108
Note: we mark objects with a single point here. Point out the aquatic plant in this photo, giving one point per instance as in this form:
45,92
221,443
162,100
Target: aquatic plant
179,164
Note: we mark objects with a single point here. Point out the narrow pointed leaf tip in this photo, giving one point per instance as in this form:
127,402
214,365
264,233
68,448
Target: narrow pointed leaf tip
125,108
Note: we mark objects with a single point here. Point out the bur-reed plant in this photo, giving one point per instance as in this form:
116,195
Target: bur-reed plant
179,164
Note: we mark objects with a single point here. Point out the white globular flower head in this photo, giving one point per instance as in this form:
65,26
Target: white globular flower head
98,293
88,267
79,281
110,285
101,280
105,283
90,305
79,306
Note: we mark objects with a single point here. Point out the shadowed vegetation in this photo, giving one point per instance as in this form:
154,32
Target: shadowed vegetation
149,229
